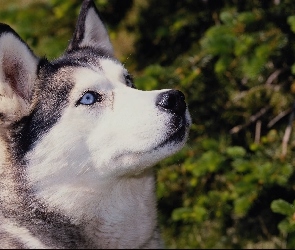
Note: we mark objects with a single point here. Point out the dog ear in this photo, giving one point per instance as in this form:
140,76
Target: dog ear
18,71
90,30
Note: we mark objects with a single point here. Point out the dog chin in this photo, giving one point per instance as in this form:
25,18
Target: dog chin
136,162
175,137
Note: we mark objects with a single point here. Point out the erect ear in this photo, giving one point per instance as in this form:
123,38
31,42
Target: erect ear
90,30
18,71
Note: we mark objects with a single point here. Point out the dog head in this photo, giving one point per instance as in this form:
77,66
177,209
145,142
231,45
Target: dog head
80,116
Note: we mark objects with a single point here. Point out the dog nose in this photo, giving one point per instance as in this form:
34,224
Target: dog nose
172,101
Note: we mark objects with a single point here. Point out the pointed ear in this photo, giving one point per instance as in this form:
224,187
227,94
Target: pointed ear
18,71
90,30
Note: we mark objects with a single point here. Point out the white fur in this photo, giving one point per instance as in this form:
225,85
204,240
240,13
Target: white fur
21,234
111,138
91,164
95,31
16,57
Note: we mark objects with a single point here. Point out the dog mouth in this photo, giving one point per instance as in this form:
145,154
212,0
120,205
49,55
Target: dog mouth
176,131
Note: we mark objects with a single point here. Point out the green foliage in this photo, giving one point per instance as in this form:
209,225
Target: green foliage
241,48
282,207
291,22
223,185
232,185
287,225
233,73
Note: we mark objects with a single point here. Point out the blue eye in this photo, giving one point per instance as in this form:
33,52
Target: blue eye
89,98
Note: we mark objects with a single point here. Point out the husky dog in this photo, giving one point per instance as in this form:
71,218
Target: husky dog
77,145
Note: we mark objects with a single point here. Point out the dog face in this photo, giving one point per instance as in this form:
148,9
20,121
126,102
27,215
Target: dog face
79,119
115,129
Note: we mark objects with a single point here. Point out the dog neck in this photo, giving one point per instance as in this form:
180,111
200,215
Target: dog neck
126,215
118,213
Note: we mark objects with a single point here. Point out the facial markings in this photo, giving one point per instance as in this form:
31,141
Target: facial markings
96,86
89,97
115,72
91,89
129,80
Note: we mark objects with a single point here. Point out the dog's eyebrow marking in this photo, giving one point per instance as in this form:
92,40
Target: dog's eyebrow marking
96,67
112,69
112,100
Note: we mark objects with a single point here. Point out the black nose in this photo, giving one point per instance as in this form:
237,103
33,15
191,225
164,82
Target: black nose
172,101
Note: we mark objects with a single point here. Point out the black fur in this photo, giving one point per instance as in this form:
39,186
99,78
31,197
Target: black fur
51,98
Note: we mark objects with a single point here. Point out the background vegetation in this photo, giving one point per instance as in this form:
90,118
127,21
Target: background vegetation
233,185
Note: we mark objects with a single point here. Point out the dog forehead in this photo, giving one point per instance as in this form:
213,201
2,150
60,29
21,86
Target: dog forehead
109,72
112,69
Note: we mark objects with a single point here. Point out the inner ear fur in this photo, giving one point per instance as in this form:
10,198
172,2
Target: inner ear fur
18,72
90,30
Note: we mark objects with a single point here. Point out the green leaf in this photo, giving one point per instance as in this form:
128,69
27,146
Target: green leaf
244,45
286,227
242,205
210,144
154,70
226,17
291,22
181,213
199,213
146,82
236,152
241,165
219,40
209,162
246,17
263,51
222,64
282,207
